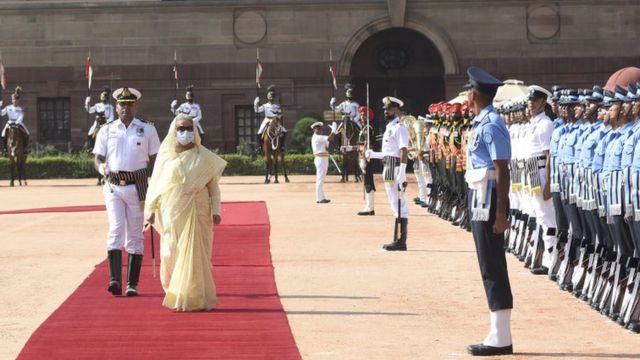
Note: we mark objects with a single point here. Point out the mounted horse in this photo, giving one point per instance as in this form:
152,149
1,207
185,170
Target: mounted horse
100,121
273,149
17,153
348,142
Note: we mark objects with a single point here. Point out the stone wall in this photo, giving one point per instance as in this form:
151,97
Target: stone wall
44,45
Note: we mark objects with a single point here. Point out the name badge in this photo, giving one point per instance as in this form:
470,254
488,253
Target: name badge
140,132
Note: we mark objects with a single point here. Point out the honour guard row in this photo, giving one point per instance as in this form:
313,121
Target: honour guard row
574,190
575,213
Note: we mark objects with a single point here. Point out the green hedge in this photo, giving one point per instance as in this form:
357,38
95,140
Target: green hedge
81,166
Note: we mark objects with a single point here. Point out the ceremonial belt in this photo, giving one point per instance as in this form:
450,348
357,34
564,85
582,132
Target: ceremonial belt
555,175
481,192
601,194
615,193
567,183
139,178
626,183
390,163
322,155
635,194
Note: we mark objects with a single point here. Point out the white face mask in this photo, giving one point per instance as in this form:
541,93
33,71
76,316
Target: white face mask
185,137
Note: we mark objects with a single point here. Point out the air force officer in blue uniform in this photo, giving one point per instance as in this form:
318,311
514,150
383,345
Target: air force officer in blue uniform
489,153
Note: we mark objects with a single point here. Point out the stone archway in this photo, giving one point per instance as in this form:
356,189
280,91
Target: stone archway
429,30
400,62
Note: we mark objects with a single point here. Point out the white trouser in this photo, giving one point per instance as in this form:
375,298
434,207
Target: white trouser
199,127
392,194
545,217
369,201
422,182
500,333
428,180
92,128
266,122
126,219
322,165
21,124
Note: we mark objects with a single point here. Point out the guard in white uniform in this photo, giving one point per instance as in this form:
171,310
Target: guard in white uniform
190,107
125,152
348,107
271,110
537,144
15,115
395,143
103,107
319,144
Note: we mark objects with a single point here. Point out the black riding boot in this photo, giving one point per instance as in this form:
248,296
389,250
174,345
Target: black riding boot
399,244
133,274
115,271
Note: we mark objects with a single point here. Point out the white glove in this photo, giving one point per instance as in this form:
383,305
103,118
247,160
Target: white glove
87,101
1,103
174,103
333,127
370,154
102,169
256,101
332,103
401,176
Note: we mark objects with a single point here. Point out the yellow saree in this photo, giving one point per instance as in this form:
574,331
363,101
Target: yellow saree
184,194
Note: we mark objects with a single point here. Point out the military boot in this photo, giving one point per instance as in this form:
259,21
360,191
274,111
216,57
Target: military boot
368,209
115,271
133,274
400,244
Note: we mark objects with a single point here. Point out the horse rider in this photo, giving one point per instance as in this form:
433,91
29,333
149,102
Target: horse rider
125,152
368,167
395,144
348,107
190,108
15,115
320,144
103,107
272,111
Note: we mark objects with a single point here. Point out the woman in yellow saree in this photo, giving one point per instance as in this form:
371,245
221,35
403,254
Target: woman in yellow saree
183,200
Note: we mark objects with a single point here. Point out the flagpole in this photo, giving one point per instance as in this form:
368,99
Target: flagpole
333,89
368,126
175,74
89,75
258,75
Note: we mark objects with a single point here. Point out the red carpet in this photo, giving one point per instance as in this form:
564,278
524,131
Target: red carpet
56,209
249,323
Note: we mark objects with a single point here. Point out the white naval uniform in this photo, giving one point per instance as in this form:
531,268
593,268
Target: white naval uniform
350,108
270,110
125,149
319,144
396,137
422,174
15,115
537,141
193,111
99,107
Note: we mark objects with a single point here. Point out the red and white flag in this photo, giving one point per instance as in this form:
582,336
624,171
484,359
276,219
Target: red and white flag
258,68
176,74
88,72
332,71
333,77
3,76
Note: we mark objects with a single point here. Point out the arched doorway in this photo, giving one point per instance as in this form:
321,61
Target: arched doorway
398,62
